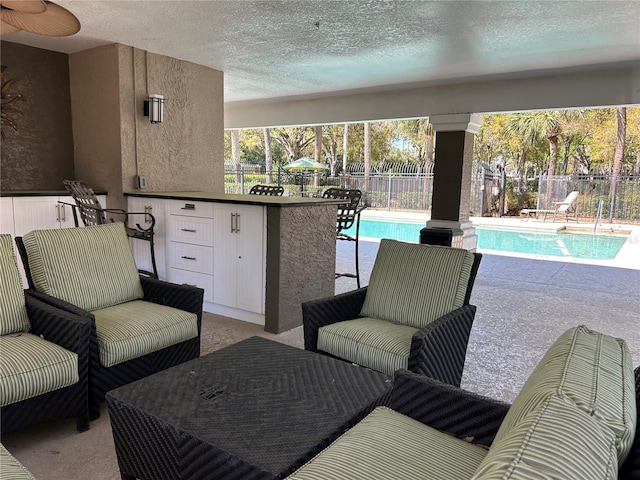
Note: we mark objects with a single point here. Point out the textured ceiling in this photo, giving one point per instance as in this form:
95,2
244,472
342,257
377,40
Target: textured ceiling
270,49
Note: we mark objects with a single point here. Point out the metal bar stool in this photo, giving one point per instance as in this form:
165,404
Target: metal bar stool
275,190
92,213
348,214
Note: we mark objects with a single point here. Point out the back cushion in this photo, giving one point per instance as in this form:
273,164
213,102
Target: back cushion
91,267
414,284
559,441
13,316
592,370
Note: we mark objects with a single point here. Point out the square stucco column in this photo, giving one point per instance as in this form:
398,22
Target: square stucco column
452,176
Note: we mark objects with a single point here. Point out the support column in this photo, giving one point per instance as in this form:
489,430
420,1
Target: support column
450,205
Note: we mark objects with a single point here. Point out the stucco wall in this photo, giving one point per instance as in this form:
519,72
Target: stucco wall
95,106
83,118
115,142
186,151
39,155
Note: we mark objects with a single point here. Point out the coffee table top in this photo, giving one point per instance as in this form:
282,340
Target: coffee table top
259,400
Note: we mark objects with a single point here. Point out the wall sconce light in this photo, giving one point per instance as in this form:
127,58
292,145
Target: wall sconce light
154,108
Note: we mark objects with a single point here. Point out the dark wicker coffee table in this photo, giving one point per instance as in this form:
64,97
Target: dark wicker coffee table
257,409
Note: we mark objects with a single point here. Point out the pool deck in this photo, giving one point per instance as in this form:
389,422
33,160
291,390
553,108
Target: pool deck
627,257
525,302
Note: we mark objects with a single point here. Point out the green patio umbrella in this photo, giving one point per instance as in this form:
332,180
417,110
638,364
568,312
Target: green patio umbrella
304,164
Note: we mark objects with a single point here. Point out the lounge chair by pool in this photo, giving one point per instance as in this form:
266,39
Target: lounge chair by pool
564,208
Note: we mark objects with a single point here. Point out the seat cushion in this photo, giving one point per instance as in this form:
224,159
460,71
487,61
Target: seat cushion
595,372
133,329
387,444
414,284
558,440
91,267
10,467
380,345
14,316
32,366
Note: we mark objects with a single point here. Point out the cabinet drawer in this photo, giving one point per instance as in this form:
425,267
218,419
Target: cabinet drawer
192,278
191,208
198,231
194,258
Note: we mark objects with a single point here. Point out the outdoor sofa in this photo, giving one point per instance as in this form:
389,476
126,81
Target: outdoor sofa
574,418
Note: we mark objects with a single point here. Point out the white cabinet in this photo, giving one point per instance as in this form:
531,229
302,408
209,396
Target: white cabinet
239,256
39,213
22,214
6,215
141,248
219,247
190,236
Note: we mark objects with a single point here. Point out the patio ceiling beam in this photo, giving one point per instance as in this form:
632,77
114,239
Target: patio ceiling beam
560,90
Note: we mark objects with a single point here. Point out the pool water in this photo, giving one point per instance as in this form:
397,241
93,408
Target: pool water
575,245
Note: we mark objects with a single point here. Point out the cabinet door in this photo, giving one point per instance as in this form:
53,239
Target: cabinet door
224,254
38,213
141,248
250,254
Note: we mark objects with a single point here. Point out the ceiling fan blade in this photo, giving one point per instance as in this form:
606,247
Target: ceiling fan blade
27,6
56,21
7,28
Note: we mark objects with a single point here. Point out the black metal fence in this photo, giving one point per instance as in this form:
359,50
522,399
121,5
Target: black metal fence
401,187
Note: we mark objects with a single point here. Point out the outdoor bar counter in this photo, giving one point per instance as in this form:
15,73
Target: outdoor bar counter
298,247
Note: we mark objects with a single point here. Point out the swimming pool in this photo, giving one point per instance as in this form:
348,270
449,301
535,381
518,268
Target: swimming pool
555,244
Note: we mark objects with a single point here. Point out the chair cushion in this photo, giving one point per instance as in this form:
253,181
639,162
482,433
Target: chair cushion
90,267
377,344
32,366
414,284
558,440
13,316
595,372
387,444
12,469
133,329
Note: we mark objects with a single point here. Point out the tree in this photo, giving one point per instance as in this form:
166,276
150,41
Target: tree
294,140
621,138
367,154
420,134
268,156
235,152
330,140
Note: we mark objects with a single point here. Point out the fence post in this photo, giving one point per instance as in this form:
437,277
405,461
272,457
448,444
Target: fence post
614,190
389,193
279,177
242,179
539,193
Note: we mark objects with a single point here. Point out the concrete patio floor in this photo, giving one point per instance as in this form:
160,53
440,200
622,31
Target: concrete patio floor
523,305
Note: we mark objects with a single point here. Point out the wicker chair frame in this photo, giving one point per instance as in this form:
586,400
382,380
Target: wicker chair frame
102,379
273,190
438,350
72,332
630,469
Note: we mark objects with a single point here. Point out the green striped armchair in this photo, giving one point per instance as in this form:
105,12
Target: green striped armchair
140,325
45,355
414,314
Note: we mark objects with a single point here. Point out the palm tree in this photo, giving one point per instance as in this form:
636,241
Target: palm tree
268,156
367,154
235,152
621,138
